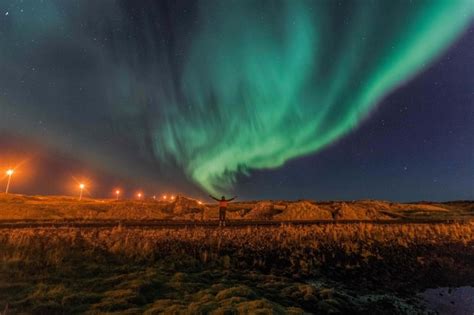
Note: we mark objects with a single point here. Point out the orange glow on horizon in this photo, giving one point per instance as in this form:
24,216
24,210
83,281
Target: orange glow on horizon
15,174
81,186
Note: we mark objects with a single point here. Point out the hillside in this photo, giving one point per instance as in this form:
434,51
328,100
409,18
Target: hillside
20,207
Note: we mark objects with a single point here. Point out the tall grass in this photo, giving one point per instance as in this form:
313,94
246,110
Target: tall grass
196,270
302,250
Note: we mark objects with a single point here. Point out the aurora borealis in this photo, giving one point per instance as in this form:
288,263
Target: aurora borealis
198,93
276,97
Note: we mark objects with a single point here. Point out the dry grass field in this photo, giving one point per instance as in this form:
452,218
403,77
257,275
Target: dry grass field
332,269
281,269
20,207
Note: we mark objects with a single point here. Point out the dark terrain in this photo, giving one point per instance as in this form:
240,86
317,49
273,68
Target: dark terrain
261,264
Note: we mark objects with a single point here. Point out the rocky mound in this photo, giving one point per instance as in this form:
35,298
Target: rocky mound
421,207
264,210
361,210
304,210
186,207
300,210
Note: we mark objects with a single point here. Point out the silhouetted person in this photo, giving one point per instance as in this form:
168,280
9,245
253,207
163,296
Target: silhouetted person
222,208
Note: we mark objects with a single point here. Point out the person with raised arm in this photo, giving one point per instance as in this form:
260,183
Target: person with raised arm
222,208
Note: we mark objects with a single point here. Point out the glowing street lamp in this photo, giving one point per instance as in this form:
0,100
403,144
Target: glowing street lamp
9,174
139,195
172,197
81,187
165,197
117,193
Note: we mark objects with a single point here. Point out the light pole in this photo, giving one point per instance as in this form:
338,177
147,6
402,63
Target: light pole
81,187
9,174
117,193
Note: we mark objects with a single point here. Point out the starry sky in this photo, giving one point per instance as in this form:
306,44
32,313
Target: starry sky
263,99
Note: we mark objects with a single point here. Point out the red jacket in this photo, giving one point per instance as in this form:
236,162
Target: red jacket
223,203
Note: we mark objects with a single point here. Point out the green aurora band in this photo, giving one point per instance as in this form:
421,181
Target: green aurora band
234,86
276,80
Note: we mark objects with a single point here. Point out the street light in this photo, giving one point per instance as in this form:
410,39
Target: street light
117,193
9,174
81,187
139,195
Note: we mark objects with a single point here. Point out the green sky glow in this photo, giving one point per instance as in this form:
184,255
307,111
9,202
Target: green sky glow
235,86
265,86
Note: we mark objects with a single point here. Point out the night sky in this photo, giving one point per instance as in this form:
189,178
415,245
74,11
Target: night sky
263,99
